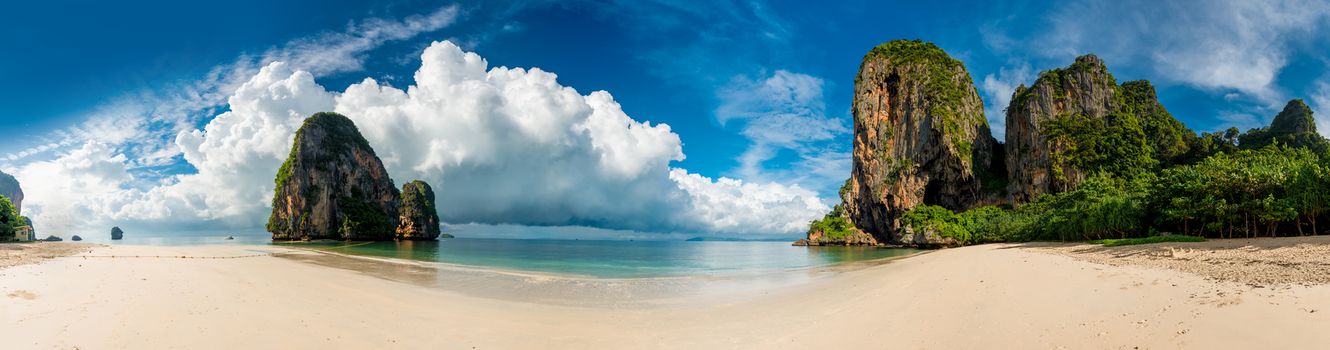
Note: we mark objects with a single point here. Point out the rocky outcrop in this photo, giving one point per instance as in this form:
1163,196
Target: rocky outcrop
52,239
333,186
75,238
1294,126
116,233
920,136
1085,89
1076,121
418,220
855,237
10,189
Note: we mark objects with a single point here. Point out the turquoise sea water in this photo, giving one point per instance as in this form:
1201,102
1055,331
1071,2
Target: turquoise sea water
603,259
617,259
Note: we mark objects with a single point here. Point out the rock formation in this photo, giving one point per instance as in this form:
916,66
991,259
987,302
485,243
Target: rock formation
10,189
920,136
333,186
76,238
52,238
116,233
1076,120
1294,126
418,218
1085,89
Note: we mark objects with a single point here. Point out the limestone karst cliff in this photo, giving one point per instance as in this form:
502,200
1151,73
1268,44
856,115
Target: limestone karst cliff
920,136
419,219
10,189
1085,89
1294,126
333,186
1076,121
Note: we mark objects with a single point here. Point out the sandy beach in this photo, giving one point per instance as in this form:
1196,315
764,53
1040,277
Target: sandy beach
988,296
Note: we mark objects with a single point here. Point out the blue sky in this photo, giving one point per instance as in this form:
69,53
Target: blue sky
96,95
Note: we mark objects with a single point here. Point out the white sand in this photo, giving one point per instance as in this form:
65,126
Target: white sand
991,296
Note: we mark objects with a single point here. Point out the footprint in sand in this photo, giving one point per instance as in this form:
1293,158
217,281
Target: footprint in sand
26,295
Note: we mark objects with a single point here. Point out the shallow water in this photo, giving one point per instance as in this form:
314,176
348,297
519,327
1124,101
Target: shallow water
588,258
616,259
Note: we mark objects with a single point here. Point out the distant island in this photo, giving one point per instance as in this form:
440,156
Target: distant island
1084,158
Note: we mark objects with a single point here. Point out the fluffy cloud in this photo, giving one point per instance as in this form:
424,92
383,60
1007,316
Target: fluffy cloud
510,145
142,125
785,112
1216,45
235,154
997,89
1320,102
84,183
502,145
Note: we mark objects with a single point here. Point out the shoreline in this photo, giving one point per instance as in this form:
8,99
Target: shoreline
988,296
835,267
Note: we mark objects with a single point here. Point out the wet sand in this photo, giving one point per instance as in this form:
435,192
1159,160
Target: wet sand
14,254
990,296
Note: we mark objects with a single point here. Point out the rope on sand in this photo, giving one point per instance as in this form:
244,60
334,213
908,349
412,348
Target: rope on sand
192,257
166,256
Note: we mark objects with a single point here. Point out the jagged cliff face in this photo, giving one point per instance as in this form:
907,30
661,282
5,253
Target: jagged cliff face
919,137
333,186
1294,126
419,219
1085,89
1296,118
10,189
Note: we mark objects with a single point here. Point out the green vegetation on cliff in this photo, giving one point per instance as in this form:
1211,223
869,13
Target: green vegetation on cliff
834,226
1116,144
362,220
945,83
941,68
1272,191
10,221
1169,140
1294,126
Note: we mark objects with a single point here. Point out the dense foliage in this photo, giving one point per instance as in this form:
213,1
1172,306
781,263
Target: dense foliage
10,221
363,220
1294,126
834,226
1145,181
1272,191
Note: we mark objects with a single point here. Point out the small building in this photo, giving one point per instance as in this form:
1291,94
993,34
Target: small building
24,234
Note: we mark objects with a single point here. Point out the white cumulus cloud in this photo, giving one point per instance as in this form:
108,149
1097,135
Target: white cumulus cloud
998,89
500,145
1218,45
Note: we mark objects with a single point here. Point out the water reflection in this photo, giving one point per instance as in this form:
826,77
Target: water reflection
617,259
